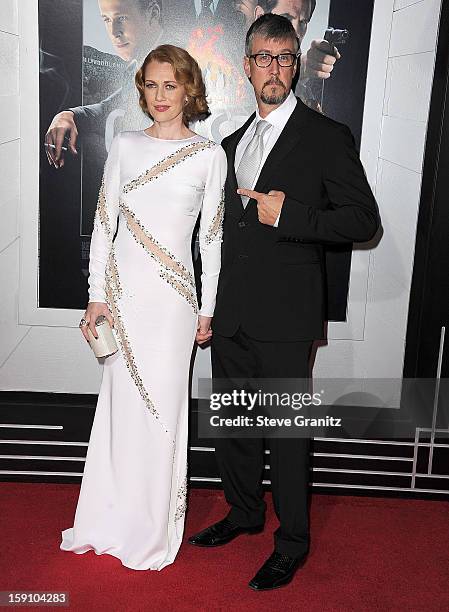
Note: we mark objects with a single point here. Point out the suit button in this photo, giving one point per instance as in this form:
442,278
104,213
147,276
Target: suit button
243,256
242,224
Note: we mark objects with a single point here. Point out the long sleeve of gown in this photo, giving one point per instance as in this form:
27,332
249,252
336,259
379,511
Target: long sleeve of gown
211,230
105,223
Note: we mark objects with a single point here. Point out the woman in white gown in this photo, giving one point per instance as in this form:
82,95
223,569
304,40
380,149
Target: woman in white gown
155,184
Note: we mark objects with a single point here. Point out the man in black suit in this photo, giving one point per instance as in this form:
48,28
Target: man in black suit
295,183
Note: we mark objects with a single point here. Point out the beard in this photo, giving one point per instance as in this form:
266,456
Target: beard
272,98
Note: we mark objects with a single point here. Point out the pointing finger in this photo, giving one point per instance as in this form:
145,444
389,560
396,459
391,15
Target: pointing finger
250,193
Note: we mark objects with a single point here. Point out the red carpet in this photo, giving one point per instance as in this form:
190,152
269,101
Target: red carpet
367,554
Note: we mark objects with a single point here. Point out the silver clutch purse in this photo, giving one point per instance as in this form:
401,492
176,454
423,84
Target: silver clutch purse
105,344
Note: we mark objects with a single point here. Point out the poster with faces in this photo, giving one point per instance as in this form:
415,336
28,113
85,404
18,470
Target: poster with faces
90,51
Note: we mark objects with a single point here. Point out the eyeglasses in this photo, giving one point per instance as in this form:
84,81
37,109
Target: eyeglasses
285,60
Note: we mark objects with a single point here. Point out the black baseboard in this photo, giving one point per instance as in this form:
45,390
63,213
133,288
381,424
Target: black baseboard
44,438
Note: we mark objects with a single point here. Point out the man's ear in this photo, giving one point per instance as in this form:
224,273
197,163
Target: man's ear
154,13
246,67
258,11
297,63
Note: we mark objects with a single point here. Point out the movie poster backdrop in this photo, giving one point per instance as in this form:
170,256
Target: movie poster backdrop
90,51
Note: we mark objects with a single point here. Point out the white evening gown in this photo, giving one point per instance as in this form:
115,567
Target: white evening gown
133,492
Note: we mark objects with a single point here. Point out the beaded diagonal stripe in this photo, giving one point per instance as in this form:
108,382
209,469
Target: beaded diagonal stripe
181,501
183,281
113,292
101,212
112,271
165,164
215,231
183,291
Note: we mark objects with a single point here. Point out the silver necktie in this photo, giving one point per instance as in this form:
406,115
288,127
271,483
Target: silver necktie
251,159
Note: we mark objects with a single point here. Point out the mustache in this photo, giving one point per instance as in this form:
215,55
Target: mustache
274,81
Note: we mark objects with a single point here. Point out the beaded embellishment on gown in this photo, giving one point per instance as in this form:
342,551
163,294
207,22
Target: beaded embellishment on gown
132,499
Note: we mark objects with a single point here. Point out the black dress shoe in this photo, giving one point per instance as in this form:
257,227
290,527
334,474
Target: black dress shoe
277,571
221,533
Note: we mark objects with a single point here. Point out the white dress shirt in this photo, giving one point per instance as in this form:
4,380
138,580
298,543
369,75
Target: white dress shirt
277,118
213,6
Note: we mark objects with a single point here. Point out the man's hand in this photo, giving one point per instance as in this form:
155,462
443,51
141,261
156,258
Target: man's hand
62,123
319,60
203,332
269,204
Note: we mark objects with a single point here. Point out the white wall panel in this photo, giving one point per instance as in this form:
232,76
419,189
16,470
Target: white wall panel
8,225
52,359
9,107
9,191
393,258
11,334
403,142
409,84
415,28
8,16
400,4
398,192
9,65
388,302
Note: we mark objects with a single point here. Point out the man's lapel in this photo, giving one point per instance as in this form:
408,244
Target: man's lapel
288,139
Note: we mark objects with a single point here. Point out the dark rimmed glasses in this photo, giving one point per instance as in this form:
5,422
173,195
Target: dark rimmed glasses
285,60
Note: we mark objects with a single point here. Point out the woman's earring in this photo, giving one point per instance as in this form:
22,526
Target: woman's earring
186,100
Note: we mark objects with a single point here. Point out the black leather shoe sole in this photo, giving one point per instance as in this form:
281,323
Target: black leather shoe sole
282,582
226,540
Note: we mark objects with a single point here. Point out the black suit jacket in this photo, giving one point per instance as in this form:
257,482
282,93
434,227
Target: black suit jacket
273,281
184,18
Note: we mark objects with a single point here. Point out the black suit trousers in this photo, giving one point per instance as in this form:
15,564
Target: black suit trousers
241,461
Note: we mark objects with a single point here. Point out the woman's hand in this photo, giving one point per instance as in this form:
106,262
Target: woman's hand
203,332
93,311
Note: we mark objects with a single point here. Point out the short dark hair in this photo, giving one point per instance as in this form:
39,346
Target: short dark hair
269,5
270,26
